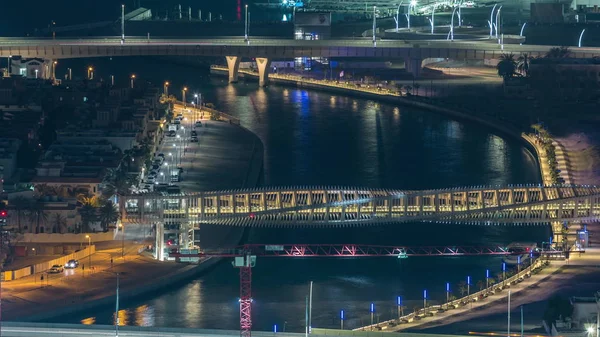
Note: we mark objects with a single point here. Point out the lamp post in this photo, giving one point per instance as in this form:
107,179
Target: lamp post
183,91
117,309
372,313
374,26
122,24
518,264
112,80
468,286
246,24
54,69
132,80
487,278
580,37
166,88
424,299
503,272
432,18
398,16
89,251
452,24
70,74
412,5
90,73
341,320
399,303
36,73
497,15
491,22
447,292
8,60
122,240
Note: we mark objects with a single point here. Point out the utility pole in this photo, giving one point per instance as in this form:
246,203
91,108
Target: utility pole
374,26
508,311
117,309
122,24
310,307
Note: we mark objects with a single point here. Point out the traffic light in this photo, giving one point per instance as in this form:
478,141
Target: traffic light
3,216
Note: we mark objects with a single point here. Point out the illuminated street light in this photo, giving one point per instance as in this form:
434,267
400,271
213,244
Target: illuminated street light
166,88
491,22
90,73
132,80
246,25
580,38
374,25
183,91
89,251
413,4
122,228
523,27
451,32
397,18
496,25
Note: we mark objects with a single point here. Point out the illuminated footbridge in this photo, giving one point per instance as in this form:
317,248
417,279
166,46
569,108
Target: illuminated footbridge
345,206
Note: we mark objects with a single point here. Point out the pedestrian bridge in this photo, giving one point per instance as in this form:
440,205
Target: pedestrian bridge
318,206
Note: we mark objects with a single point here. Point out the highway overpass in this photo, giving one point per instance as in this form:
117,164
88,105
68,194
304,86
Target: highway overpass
413,52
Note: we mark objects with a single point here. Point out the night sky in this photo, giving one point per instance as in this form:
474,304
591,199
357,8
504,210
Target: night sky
21,17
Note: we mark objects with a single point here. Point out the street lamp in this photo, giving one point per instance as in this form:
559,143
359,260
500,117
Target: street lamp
496,25
432,21
117,309
89,251
132,80
491,22
447,292
374,25
246,25
122,24
400,309
90,73
397,19
503,272
123,239
372,312
412,5
166,88
451,33
36,74
487,278
183,91
54,69
468,286
341,320
424,299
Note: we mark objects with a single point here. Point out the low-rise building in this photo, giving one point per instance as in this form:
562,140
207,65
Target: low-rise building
35,68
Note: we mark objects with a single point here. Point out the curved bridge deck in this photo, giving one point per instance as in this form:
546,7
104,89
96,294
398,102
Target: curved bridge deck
346,206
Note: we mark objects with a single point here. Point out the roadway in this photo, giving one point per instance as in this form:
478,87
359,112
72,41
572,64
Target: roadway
106,46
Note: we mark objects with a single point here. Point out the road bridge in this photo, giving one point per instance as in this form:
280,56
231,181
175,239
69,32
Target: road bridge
265,50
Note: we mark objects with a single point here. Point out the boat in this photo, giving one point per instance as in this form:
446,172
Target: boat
519,252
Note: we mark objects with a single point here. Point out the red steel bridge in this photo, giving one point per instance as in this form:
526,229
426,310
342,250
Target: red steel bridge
245,258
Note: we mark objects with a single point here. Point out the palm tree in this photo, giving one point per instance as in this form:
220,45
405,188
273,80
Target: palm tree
108,214
506,66
37,214
462,288
58,223
523,64
88,215
558,52
20,205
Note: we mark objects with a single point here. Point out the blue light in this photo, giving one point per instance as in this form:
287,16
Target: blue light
342,314
550,240
519,259
399,300
503,266
487,273
468,279
424,294
275,328
372,307
448,287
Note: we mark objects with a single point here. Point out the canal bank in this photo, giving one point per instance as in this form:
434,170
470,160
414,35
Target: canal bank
227,156
500,126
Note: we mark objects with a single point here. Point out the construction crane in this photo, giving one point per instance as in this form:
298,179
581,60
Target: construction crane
244,258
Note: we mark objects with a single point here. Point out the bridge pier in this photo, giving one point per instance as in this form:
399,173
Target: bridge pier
233,65
263,65
413,66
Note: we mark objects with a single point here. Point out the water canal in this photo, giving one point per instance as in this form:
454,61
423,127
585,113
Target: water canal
314,138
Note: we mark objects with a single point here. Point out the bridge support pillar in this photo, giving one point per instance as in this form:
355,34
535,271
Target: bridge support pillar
263,65
413,66
233,64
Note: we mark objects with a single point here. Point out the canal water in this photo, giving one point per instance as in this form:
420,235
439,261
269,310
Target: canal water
315,138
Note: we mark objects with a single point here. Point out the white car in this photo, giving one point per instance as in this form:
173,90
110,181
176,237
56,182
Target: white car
57,268
151,179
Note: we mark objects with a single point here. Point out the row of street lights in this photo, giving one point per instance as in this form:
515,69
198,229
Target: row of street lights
400,305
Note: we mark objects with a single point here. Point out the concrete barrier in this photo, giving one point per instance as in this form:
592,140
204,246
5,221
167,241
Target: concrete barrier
11,275
67,238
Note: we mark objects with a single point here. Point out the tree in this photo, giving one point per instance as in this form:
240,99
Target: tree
558,307
558,52
58,222
20,205
108,214
523,64
462,288
88,215
506,66
37,214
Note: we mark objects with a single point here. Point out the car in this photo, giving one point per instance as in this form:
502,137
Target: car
180,170
155,167
162,155
194,140
194,133
171,134
57,268
72,264
198,123
151,179
148,187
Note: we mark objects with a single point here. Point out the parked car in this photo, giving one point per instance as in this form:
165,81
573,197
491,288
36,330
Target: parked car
151,179
194,134
57,268
171,133
162,155
194,140
72,264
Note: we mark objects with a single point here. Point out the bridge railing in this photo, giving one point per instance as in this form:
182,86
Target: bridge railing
463,301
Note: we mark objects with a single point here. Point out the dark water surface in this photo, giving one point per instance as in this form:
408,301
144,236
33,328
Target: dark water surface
314,138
